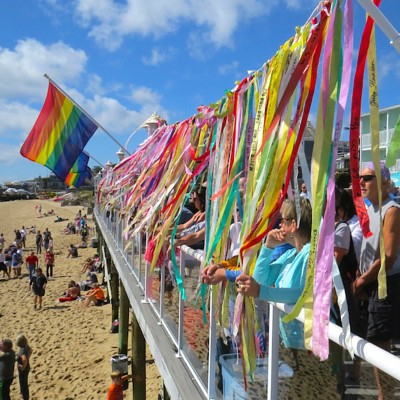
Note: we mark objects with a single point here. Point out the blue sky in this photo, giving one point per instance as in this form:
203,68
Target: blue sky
123,59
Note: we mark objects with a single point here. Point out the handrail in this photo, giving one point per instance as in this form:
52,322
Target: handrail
372,354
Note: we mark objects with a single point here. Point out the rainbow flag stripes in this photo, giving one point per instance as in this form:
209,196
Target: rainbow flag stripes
79,172
59,135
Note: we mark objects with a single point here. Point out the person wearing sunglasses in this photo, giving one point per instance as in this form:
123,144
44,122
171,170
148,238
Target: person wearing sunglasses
383,314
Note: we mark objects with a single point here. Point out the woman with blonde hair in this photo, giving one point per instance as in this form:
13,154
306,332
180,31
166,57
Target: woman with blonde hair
23,356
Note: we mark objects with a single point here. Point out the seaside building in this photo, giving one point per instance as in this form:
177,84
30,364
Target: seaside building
387,122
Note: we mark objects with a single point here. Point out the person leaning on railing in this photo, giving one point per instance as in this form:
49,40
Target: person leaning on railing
281,280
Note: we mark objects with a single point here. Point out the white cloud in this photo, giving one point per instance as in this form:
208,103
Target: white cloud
22,69
297,5
110,21
17,119
8,154
228,68
117,118
22,82
157,56
144,95
388,66
95,85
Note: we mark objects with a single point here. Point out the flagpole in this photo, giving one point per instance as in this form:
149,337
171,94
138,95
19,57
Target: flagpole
88,115
98,162
380,19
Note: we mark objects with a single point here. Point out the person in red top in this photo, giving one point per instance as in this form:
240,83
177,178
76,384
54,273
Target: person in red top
32,262
49,260
116,391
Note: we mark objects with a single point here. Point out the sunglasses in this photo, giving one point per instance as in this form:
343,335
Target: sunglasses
367,178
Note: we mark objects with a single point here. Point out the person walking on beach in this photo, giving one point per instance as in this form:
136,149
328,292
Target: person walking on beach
49,261
2,241
23,356
38,284
7,361
32,262
46,238
23,236
8,260
39,242
3,266
16,263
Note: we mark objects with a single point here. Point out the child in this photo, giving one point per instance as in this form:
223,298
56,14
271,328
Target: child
116,391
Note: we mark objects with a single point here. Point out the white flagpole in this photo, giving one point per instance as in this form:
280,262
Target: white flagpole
88,115
380,19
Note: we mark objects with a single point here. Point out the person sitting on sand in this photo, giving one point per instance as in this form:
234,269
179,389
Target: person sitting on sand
72,251
83,244
38,284
32,229
88,265
69,229
72,292
89,283
98,267
96,295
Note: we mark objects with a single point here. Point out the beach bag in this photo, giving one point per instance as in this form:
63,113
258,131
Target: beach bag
115,326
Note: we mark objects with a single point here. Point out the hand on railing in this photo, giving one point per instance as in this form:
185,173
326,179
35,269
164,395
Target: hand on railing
213,274
247,285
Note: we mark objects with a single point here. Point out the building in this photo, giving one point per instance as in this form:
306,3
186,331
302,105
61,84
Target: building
387,122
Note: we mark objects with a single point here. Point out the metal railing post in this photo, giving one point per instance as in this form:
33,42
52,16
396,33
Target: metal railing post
212,355
273,353
181,325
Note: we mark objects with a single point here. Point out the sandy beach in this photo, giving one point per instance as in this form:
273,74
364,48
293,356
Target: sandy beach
72,346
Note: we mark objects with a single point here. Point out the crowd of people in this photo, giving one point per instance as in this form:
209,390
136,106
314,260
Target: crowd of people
40,269
280,271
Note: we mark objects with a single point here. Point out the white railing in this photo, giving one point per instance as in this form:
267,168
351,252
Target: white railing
365,350
385,137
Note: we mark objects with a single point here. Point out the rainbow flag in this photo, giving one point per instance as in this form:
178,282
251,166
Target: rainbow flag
79,171
59,135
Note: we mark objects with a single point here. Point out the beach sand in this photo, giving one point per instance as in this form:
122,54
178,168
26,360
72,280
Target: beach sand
72,346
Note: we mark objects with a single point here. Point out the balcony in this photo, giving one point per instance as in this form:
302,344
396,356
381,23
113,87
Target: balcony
385,137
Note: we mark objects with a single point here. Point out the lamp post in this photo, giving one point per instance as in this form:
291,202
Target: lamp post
153,122
121,154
